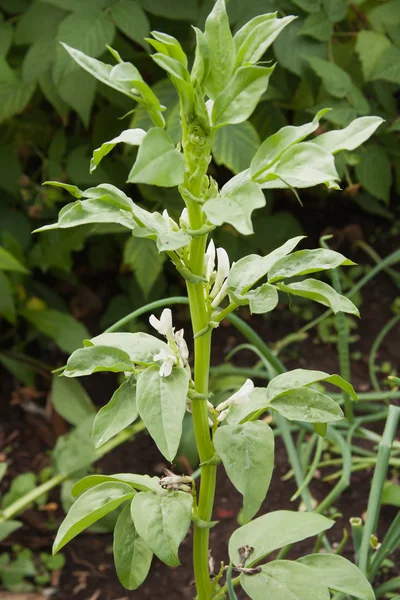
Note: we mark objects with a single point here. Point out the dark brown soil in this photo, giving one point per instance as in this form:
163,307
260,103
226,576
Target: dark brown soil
29,434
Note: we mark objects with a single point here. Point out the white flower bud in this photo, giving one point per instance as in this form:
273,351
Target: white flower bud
222,271
242,396
209,261
164,324
182,347
184,219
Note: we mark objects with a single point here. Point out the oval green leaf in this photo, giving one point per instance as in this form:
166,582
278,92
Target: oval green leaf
339,574
247,453
132,557
163,522
89,508
119,413
275,530
161,402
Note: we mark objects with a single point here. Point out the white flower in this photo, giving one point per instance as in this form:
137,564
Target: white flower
182,347
169,360
221,295
242,396
209,261
222,271
184,219
164,324
171,225
222,416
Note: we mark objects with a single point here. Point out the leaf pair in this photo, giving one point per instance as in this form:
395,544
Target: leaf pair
290,394
152,521
284,160
107,204
279,265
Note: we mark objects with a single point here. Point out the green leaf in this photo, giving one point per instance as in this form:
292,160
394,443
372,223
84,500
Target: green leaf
251,268
355,134
335,9
317,26
7,305
173,67
101,71
222,50
140,347
119,413
305,404
70,400
96,359
14,97
339,574
6,36
88,32
20,486
391,494
38,59
254,38
82,103
133,137
369,48
302,165
263,299
304,262
385,14
309,6
235,207
158,161
284,580
163,522
321,292
132,557
168,45
236,102
235,145
183,10
94,504
53,97
247,453
8,527
77,5
275,530
63,329
261,398
130,18
146,262
74,451
161,402
107,204
273,148
38,21
292,50
201,64
336,81
143,483
374,172
303,377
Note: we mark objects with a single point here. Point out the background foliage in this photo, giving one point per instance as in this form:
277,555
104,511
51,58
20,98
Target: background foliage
336,53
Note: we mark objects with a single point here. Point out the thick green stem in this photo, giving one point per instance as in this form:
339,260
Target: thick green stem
202,350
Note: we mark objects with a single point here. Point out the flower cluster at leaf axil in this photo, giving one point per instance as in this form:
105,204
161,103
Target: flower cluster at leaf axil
178,353
216,279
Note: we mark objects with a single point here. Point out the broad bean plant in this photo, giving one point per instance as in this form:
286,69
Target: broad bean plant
223,86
